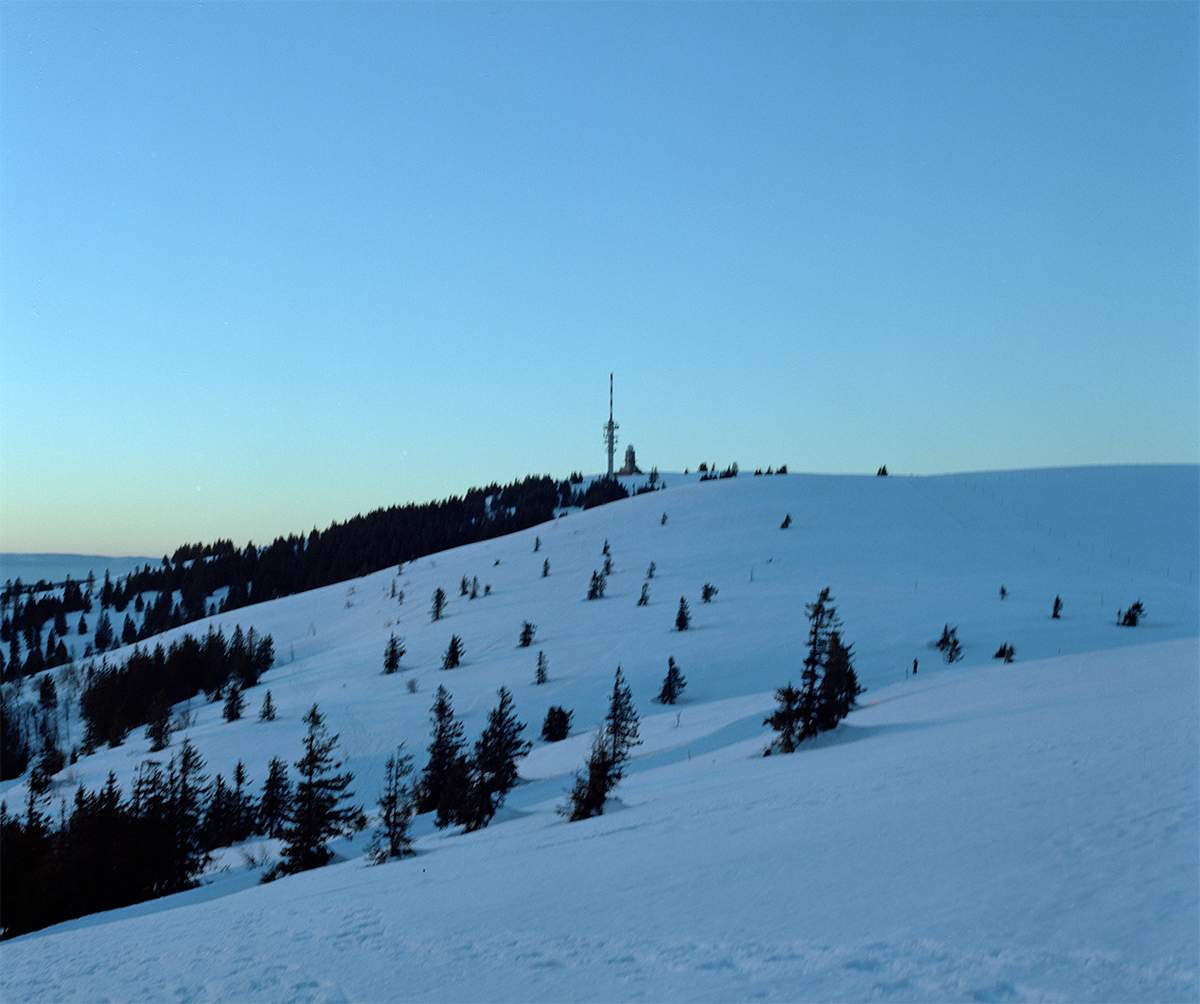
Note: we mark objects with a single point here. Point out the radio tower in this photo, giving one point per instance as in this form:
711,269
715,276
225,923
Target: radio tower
610,430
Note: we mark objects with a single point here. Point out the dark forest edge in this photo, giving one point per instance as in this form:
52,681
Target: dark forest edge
253,574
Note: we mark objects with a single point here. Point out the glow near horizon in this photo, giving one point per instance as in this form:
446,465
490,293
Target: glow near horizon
263,268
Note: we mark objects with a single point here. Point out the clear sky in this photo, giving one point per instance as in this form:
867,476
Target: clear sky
267,266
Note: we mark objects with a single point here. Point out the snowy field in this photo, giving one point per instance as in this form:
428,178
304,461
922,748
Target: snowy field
983,831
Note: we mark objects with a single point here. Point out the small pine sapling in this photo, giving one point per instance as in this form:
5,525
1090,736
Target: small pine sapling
1003,591
1131,616
787,521
683,619
527,632
708,592
464,587
1005,652
454,653
948,644
545,568
596,588
392,655
543,669
650,571
235,703
645,597
1056,613
439,604
786,720
673,684
267,712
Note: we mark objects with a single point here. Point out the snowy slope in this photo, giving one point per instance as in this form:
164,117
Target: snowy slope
985,831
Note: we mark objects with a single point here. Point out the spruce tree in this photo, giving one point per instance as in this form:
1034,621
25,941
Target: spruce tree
392,655
396,805
683,619
557,725
823,622
319,811
786,719
543,669
439,604
454,653
267,712
443,780
158,729
610,751
276,800
494,764
839,684
621,722
235,703
527,632
188,787
673,684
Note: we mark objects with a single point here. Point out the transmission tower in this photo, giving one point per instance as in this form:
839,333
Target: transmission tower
610,430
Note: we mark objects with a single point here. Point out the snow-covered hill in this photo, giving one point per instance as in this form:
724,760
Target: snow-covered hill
981,831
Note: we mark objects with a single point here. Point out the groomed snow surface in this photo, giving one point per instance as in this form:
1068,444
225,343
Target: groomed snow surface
983,831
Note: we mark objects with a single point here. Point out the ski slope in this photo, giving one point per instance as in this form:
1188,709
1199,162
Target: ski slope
981,831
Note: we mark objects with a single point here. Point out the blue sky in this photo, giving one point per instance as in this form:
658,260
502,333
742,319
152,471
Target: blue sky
267,266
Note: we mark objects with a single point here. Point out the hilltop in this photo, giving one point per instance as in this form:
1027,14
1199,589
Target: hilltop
1004,831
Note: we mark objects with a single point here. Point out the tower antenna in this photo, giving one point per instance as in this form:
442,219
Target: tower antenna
610,430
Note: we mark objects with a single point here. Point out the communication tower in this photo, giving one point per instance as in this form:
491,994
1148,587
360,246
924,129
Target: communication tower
610,430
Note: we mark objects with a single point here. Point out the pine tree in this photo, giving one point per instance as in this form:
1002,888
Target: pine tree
621,722
823,622
276,800
543,669
644,599
267,712
786,719
494,764
683,619
1057,610
839,684
610,751
673,684
708,592
396,805
557,725
392,655
318,811
454,653
188,787
527,632
235,703
439,604
546,568
444,778
596,587
158,729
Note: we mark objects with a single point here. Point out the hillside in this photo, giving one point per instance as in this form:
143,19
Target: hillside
1020,831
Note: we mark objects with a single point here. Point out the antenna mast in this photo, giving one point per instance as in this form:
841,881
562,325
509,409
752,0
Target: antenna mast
610,430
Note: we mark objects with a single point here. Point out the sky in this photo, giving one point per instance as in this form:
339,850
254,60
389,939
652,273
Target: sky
267,266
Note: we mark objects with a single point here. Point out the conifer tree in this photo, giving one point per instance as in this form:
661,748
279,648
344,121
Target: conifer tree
596,587
267,712
839,684
786,719
683,618
188,787
454,653
318,811
396,805
673,684
276,800
644,599
823,621
439,604
158,730
443,780
543,669
1056,611
610,751
235,703
392,655
494,764
527,632
557,725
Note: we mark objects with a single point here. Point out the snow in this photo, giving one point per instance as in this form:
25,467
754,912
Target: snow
981,831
